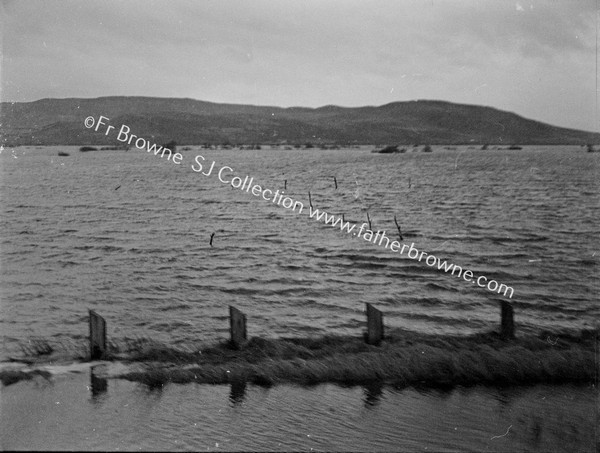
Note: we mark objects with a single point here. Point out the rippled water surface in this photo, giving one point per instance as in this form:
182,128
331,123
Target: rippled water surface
127,234
79,413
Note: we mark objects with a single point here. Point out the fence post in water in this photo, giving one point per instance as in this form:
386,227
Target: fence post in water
237,327
374,325
97,336
507,326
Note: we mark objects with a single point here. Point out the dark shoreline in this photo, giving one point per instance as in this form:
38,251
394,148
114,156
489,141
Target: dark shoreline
404,359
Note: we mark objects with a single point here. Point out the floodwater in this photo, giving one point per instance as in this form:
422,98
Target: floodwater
127,234
78,411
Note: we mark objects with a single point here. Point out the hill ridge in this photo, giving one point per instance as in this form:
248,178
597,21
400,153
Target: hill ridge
59,121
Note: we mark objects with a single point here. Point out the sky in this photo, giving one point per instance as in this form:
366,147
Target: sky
534,58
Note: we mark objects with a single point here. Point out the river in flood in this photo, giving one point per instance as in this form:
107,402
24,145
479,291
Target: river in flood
128,234
78,411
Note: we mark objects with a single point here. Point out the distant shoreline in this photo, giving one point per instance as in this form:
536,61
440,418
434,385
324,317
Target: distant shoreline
374,148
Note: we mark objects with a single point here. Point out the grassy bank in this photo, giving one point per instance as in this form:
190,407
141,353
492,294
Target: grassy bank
404,359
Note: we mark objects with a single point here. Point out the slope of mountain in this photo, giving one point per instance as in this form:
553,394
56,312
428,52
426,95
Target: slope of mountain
188,121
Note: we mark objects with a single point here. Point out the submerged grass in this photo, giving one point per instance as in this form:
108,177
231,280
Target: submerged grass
9,377
404,359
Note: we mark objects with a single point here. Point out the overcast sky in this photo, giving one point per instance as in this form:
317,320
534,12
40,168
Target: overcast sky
535,58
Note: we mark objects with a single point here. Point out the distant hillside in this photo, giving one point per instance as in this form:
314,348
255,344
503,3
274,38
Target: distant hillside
187,121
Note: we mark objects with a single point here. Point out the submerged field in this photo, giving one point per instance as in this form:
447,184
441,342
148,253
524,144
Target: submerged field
128,235
404,359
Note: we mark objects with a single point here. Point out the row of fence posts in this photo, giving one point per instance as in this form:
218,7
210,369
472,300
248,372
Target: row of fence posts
239,333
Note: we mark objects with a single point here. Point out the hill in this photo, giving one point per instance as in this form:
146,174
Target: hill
188,121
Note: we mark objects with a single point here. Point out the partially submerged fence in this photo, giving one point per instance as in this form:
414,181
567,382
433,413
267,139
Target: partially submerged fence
239,334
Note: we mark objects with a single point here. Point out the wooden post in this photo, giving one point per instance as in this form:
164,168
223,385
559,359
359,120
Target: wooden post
237,327
507,326
374,325
97,336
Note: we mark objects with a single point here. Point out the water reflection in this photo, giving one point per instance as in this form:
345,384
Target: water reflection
324,417
237,392
504,396
536,430
98,385
372,392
